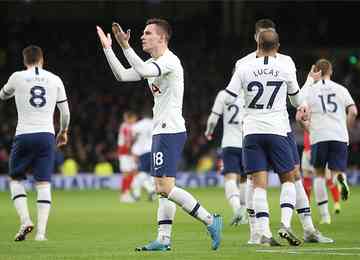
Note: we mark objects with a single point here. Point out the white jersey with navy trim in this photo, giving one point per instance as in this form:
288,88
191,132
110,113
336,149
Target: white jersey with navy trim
284,59
232,119
328,101
168,91
36,93
266,82
142,132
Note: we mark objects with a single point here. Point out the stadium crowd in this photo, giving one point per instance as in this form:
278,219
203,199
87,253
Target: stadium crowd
97,105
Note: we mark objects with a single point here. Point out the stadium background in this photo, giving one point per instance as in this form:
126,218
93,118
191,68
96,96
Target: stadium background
208,37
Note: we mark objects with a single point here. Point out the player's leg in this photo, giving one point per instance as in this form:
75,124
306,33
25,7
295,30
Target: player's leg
319,157
127,168
166,150
148,184
308,173
281,156
337,164
242,182
43,169
232,162
255,163
254,234
334,190
20,160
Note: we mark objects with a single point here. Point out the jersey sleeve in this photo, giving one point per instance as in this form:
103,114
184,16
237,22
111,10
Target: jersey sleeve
218,107
235,84
61,95
348,100
292,84
164,65
9,88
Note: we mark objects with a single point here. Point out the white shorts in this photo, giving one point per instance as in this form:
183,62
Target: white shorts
305,161
127,163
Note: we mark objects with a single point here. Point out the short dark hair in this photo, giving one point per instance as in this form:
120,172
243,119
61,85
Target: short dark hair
163,24
268,41
32,54
263,24
324,66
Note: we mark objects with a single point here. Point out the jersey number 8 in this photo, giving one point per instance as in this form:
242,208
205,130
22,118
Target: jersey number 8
37,96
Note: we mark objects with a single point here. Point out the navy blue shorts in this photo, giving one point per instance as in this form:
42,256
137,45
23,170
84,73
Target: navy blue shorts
166,151
262,151
332,153
293,146
232,158
32,151
145,162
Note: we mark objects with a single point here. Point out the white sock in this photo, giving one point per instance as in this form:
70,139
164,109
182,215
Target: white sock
18,195
250,205
43,207
185,200
165,216
303,207
137,183
321,196
242,190
232,194
287,202
262,212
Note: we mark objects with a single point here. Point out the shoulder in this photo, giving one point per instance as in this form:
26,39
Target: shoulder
286,59
246,58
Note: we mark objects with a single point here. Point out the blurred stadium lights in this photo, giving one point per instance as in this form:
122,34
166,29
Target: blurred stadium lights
353,60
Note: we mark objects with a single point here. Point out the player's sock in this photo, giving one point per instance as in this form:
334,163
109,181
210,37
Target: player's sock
149,184
250,205
321,197
190,205
333,189
287,202
43,207
232,194
18,195
137,183
308,186
165,216
303,207
262,212
242,190
126,182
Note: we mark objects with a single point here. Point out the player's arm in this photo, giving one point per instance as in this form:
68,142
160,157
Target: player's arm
351,115
62,137
214,116
233,88
120,72
8,90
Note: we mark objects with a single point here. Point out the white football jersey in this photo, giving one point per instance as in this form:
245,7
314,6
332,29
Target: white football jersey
284,59
266,82
168,91
232,119
328,102
36,93
142,132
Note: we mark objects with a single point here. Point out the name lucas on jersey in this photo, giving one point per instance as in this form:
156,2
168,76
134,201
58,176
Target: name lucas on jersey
266,71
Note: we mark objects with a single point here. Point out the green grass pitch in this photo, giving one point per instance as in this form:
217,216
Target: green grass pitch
95,225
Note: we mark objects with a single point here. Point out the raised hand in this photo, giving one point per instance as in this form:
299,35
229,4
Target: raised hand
121,37
105,40
316,75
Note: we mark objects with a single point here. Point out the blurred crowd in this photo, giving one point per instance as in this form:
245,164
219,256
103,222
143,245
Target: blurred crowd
97,101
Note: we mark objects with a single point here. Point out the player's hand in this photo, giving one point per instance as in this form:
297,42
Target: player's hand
315,75
62,138
105,40
121,37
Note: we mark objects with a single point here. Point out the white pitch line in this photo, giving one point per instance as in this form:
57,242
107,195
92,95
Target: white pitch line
313,251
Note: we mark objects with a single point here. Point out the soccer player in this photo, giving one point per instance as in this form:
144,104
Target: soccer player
231,152
141,148
302,202
126,159
165,77
266,82
36,93
332,111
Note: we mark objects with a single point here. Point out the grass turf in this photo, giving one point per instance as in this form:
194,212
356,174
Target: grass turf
95,225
